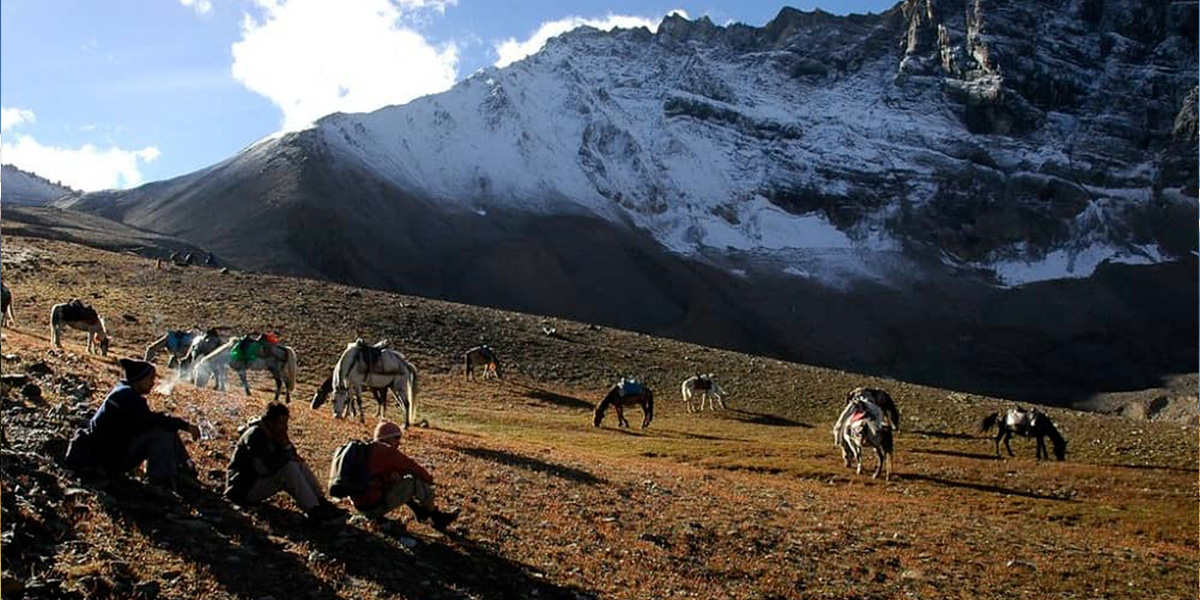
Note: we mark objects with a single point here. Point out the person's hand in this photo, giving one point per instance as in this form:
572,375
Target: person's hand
195,431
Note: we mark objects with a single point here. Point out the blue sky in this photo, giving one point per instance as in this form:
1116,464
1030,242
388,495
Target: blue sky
102,94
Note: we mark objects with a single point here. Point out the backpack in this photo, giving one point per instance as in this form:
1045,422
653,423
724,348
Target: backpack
348,475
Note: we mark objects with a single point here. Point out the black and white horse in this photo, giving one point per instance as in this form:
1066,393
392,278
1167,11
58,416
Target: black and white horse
1028,423
862,424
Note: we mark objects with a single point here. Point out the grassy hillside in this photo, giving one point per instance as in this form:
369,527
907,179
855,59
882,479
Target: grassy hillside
748,503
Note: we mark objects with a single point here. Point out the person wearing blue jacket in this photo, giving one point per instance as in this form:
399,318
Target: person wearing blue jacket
125,432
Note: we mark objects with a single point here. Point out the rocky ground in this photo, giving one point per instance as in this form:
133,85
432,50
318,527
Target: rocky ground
751,502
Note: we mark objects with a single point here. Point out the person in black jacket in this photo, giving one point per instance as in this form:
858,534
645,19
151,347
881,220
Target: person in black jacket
126,433
265,462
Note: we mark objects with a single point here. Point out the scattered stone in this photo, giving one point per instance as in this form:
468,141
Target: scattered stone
129,318
1021,565
39,368
14,379
407,542
147,589
32,392
12,357
224,270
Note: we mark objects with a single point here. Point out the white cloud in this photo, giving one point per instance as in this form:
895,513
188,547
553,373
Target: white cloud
87,167
11,117
202,7
511,50
313,57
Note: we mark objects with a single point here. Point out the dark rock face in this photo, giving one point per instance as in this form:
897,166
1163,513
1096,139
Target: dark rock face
972,132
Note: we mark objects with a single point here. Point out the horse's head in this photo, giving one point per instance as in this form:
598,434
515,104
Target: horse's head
339,402
598,414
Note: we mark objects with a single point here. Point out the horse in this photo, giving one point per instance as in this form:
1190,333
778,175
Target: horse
201,346
862,423
1029,423
879,398
322,395
176,343
482,356
627,392
375,366
708,389
6,310
77,315
244,353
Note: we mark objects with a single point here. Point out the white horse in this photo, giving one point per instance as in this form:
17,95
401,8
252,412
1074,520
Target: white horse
374,367
862,423
706,387
481,356
76,315
6,307
201,346
279,360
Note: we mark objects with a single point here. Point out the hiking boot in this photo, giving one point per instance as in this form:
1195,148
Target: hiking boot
443,519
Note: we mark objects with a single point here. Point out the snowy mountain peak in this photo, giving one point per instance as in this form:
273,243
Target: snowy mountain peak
801,136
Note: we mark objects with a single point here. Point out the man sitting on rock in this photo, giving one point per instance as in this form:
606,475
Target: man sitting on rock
265,462
125,432
396,480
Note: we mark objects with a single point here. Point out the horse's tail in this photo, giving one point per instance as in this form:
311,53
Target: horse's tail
289,369
988,422
55,319
889,406
1056,438
648,408
410,384
886,440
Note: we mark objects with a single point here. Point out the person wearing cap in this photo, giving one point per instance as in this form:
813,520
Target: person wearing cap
396,480
126,432
265,462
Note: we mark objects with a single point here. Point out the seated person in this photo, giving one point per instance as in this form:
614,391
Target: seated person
125,432
265,462
397,480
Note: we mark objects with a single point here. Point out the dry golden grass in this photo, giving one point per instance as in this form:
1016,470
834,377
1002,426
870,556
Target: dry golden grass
750,503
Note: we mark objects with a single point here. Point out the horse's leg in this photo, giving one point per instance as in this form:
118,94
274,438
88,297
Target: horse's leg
278,383
245,383
1041,448
879,455
999,434
1007,446
620,415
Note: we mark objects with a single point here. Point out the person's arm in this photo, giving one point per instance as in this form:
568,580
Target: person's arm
397,462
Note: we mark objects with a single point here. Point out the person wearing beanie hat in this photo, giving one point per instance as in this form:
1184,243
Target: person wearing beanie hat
397,480
265,462
126,433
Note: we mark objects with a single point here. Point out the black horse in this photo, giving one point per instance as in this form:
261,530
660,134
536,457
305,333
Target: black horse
1029,423
626,393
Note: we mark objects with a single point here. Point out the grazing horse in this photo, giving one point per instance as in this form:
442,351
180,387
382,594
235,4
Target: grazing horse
704,386
242,354
879,398
322,395
627,392
77,315
1029,423
482,356
176,343
6,310
862,423
378,366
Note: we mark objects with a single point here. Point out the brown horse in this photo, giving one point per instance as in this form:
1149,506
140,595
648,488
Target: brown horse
626,393
481,356
77,315
6,311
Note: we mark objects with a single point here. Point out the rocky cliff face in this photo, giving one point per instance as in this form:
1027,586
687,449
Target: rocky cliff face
768,188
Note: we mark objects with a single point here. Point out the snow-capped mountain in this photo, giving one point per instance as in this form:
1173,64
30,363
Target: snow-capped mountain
23,187
716,183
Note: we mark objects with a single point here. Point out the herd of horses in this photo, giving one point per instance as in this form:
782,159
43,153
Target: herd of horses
869,417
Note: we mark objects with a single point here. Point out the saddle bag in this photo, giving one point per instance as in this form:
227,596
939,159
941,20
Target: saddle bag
348,474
